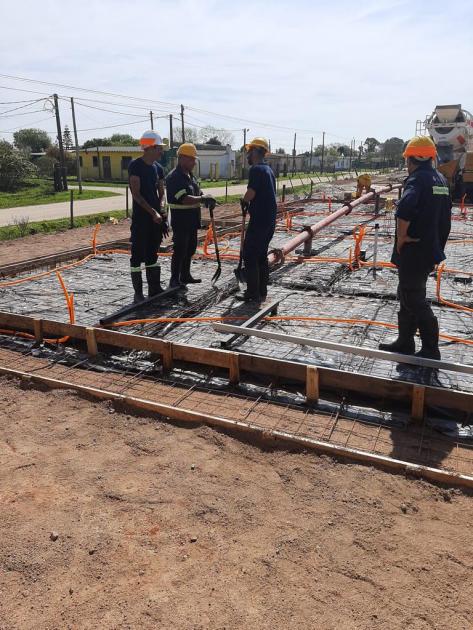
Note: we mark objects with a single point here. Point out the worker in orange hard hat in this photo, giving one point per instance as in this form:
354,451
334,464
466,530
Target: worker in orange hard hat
149,221
184,200
260,200
423,220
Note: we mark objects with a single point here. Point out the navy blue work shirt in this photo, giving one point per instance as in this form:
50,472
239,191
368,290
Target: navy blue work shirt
149,175
179,184
426,203
263,207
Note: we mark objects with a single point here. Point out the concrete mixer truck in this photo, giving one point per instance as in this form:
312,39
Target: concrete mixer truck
451,128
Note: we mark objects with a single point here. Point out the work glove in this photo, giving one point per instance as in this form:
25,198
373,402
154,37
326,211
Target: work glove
244,205
165,228
209,201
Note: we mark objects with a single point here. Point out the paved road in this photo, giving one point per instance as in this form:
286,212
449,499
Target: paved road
106,204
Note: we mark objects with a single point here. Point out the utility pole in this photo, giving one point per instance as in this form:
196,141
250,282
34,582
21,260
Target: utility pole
79,172
311,153
294,155
323,153
151,119
182,124
61,146
243,154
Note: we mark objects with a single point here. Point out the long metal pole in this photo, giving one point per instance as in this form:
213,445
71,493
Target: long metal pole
61,146
182,124
294,155
323,152
151,119
79,170
311,152
295,242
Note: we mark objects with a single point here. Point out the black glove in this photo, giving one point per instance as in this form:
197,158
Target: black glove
165,227
244,206
209,201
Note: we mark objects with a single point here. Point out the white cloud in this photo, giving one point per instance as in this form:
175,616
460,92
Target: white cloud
349,70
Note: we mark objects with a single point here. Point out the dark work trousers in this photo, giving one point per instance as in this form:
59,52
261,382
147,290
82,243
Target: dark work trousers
145,240
185,224
414,269
255,258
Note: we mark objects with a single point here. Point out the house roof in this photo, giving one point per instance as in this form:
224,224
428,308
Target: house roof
208,149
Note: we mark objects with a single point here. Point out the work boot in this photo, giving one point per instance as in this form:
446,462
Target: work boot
252,293
186,277
137,282
264,279
153,277
429,335
405,343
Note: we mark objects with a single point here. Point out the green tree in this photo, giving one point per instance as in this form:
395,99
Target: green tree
97,142
15,168
192,135
371,144
280,151
393,148
208,133
33,140
123,140
214,140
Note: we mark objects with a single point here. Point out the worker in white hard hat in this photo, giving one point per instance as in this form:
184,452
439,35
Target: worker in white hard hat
184,199
149,220
260,200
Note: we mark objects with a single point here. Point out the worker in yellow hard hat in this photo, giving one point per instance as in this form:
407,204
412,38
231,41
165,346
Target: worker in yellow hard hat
423,220
260,200
184,199
149,221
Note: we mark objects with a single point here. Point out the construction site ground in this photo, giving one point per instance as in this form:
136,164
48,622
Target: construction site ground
161,526
115,520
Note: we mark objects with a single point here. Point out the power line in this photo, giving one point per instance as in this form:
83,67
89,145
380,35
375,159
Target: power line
113,126
7,111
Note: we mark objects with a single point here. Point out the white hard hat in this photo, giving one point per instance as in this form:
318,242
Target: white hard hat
150,139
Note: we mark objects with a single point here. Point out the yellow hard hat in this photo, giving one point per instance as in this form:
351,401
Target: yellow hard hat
421,148
259,143
187,149
151,139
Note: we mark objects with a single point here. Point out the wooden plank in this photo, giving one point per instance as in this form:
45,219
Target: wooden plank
329,378
166,356
234,368
91,341
312,384
38,330
187,415
418,399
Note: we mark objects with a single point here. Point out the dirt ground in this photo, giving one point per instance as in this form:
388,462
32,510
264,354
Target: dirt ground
114,521
36,245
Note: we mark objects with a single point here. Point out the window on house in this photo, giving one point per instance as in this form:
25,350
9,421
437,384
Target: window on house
126,159
95,161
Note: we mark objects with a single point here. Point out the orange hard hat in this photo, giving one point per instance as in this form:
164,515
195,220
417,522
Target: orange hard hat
421,148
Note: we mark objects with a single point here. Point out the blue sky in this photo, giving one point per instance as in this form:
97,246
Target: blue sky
347,68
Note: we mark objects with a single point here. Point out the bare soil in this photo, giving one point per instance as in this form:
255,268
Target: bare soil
35,245
109,520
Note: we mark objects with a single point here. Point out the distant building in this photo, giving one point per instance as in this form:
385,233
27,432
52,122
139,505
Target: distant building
111,163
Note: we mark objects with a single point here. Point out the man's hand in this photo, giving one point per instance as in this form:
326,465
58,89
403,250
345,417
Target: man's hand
209,201
401,241
165,229
244,205
157,218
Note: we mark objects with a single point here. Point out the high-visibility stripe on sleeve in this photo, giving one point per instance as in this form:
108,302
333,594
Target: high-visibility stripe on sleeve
440,190
180,193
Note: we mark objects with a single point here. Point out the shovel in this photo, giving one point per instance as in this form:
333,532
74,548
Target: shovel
218,273
239,271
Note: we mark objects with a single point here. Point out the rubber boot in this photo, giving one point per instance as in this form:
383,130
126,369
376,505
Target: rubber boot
186,277
175,272
153,277
429,335
264,279
137,282
405,343
252,293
